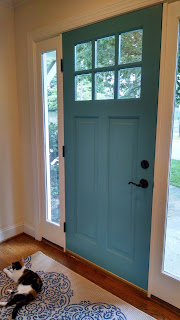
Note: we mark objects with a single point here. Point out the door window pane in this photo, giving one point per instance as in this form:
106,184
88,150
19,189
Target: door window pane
83,56
83,85
105,52
105,85
130,83
130,46
172,236
49,73
127,80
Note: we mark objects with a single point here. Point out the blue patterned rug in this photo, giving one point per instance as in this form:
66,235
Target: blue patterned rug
67,296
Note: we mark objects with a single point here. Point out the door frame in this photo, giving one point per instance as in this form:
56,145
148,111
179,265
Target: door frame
54,233
47,32
33,37
159,281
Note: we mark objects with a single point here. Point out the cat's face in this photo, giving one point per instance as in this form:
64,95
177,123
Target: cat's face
17,265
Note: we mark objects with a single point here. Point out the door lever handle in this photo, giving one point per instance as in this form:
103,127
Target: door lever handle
143,183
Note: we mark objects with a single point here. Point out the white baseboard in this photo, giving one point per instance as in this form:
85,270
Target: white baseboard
29,230
11,231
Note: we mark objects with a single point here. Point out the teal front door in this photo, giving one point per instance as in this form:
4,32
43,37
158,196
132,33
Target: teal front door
111,73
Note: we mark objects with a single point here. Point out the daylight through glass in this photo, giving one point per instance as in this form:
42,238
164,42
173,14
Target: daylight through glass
172,237
49,71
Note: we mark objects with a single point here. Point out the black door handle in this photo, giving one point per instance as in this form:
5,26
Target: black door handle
143,183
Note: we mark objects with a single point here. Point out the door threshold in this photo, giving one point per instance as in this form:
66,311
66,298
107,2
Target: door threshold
53,244
166,304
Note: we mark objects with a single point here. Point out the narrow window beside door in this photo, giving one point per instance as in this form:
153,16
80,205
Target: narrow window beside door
171,264
49,74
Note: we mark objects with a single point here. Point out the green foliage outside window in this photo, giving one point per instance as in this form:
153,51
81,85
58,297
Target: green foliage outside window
105,52
130,51
105,85
130,46
53,148
175,173
52,94
83,56
177,95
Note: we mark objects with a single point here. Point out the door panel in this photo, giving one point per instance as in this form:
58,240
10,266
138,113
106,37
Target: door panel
86,181
122,150
111,72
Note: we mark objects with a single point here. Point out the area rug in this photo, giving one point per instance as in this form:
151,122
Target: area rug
66,295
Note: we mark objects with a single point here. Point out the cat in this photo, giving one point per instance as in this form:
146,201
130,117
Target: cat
29,284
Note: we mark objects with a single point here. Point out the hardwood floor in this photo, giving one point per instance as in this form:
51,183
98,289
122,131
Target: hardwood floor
23,246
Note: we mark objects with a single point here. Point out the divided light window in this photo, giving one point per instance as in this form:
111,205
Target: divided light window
109,67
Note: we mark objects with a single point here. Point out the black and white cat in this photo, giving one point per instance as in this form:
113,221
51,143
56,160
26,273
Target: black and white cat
29,284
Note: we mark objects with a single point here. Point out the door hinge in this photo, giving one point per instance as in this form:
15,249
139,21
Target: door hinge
64,226
63,151
61,65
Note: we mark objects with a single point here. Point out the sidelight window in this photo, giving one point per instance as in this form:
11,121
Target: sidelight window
49,79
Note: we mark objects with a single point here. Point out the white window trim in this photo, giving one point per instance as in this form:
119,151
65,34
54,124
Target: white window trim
44,227
160,284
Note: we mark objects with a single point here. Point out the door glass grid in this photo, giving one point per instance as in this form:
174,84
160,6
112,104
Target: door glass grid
49,80
108,70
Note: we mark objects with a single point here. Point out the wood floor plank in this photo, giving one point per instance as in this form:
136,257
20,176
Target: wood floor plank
24,245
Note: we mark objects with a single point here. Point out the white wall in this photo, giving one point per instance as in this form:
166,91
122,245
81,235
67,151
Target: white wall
11,212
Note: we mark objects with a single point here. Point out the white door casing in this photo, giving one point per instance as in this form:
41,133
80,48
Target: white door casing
34,38
161,284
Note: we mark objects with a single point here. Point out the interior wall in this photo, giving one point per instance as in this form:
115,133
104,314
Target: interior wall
11,212
28,17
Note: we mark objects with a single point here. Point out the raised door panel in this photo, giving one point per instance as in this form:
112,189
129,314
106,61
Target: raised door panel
85,167
123,137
